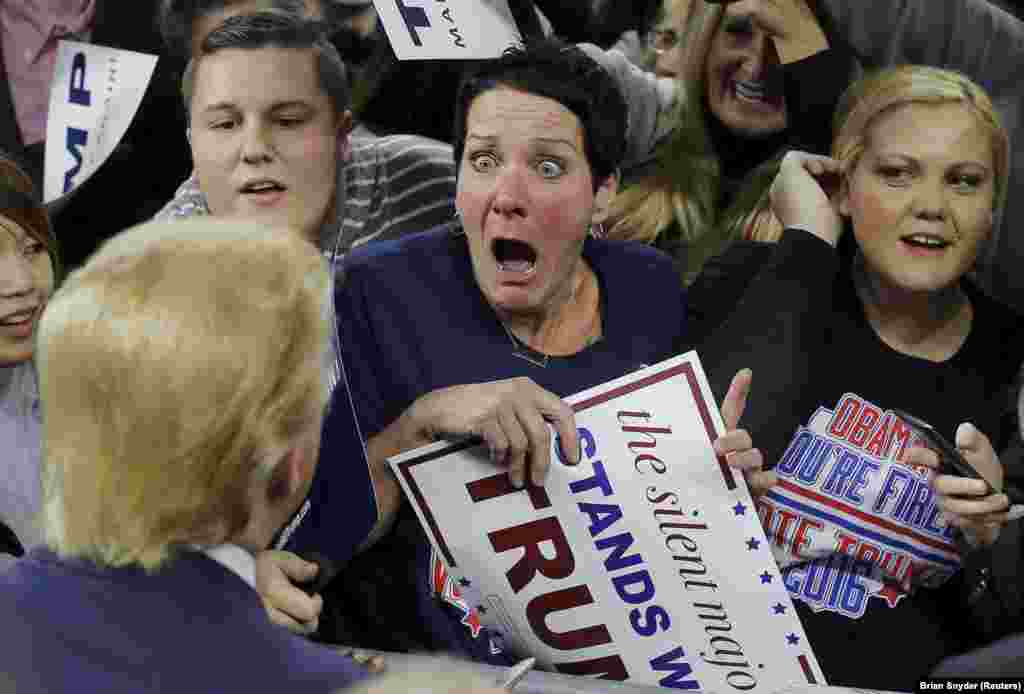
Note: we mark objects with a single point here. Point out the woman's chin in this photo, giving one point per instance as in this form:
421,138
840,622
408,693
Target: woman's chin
751,121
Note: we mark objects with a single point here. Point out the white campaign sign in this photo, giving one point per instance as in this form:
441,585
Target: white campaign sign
448,29
93,97
645,562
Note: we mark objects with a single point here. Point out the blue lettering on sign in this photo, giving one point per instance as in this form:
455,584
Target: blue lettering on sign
74,142
414,18
78,94
673,662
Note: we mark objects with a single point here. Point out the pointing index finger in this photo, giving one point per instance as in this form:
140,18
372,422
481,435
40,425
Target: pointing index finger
735,401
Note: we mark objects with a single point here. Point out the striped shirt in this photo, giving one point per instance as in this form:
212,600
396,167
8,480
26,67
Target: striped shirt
389,186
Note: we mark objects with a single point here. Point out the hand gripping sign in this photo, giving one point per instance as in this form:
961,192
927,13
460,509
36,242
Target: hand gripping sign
448,29
646,562
93,97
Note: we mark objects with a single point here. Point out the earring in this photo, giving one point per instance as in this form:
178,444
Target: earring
456,225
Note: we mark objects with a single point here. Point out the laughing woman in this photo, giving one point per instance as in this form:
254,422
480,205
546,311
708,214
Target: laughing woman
27,268
482,331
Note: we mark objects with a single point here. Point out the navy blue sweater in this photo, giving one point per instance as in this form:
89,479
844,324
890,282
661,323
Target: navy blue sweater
412,319
70,626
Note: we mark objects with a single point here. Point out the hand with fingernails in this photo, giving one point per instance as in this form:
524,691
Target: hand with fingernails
736,444
512,418
803,195
278,576
966,503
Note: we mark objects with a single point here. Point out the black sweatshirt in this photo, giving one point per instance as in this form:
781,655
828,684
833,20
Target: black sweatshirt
874,573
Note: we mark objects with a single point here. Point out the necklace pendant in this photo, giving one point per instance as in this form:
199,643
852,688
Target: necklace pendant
540,362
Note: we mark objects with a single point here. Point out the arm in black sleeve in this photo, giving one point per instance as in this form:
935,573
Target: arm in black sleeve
570,20
614,17
775,329
813,87
992,585
524,12
576,22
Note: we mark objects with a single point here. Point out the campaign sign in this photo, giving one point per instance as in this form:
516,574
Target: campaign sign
93,97
646,562
448,29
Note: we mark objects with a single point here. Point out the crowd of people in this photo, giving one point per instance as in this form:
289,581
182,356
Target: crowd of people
306,257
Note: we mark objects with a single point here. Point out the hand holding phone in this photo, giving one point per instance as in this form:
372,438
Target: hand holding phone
951,461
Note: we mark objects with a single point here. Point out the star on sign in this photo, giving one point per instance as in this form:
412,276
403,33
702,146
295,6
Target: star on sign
766,577
793,639
481,609
753,543
465,582
779,608
739,509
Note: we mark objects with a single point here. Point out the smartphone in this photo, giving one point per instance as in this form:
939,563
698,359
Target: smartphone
950,460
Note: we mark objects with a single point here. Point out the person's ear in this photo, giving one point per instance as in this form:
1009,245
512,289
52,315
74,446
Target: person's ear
603,198
843,195
288,476
345,126
345,122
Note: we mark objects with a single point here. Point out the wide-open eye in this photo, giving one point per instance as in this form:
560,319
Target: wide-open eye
550,168
483,162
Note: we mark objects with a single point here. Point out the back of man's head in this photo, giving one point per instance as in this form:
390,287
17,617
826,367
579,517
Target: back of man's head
175,367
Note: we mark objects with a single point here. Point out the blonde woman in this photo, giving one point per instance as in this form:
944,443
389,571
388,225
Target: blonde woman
182,414
886,561
682,204
753,79
28,265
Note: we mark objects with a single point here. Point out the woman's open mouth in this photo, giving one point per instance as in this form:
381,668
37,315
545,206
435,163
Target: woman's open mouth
514,257
759,94
925,244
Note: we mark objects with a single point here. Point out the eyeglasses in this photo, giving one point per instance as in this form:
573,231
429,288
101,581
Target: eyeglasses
663,40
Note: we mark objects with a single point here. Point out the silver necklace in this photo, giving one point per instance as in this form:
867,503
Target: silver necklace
524,351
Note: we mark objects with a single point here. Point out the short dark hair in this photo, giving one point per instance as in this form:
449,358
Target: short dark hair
175,19
281,29
551,68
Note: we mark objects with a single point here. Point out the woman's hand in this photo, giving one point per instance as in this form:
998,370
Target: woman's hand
799,198
277,574
736,444
965,502
511,416
790,24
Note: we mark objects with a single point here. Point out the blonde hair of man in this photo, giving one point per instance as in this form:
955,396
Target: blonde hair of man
178,368
888,89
